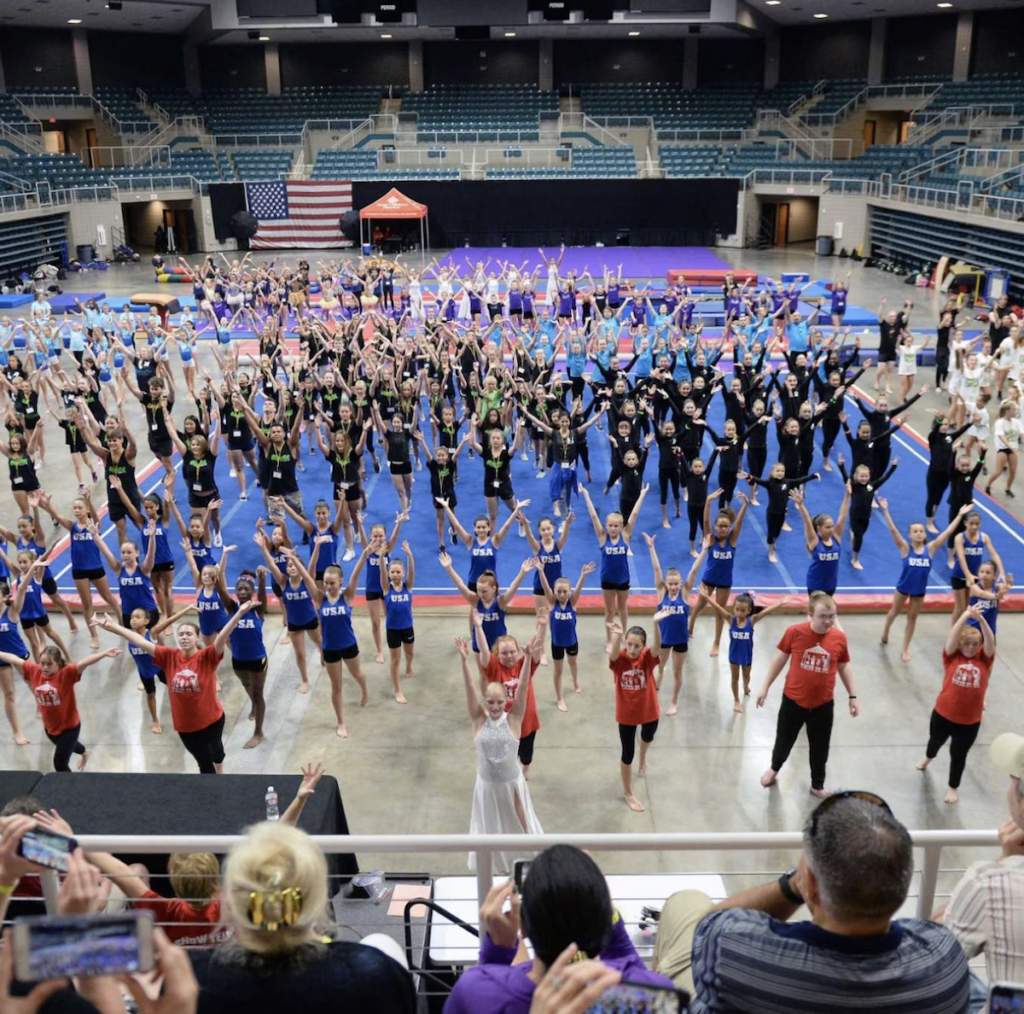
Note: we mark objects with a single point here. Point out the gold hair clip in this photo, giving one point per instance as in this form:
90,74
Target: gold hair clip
269,910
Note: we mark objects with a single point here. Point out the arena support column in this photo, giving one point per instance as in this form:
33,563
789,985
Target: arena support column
964,44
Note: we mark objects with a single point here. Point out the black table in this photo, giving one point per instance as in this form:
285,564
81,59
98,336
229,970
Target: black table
106,803
17,783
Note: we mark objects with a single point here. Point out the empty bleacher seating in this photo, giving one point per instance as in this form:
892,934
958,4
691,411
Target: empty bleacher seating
480,113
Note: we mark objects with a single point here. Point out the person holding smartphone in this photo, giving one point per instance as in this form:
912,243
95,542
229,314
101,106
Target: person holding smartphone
53,685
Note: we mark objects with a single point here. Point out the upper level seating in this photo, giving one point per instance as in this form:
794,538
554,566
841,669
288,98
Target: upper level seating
983,90
347,164
261,165
124,104
11,112
725,107
837,94
782,96
479,109
59,171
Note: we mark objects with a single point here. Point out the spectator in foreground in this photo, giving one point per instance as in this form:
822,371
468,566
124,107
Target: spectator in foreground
986,909
273,898
564,901
853,876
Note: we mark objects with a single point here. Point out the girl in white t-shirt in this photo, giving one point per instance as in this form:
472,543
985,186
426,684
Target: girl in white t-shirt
906,355
979,430
1008,434
1007,359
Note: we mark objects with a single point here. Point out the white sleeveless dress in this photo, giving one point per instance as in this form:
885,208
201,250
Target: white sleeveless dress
499,779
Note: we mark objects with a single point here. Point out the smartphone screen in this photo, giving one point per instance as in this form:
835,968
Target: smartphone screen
54,946
47,848
634,998
1005,998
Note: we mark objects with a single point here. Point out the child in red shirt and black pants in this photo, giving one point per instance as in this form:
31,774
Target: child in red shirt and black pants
636,700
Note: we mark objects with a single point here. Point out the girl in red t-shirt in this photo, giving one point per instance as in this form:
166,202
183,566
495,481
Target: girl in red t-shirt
636,700
967,657
53,686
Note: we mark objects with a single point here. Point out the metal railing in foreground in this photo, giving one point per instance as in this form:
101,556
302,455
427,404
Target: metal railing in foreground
932,844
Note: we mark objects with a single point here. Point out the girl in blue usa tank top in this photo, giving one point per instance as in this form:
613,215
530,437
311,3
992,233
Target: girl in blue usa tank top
374,591
562,598
671,631
917,553
742,621
133,576
823,539
333,604
484,542
299,611
248,655
718,571
970,547
548,551
35,620
12,643
398,585
486,600
987,594
613,537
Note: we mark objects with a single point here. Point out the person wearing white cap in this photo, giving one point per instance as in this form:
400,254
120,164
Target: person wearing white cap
986,909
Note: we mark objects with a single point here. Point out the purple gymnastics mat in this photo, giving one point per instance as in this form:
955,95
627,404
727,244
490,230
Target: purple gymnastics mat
636,261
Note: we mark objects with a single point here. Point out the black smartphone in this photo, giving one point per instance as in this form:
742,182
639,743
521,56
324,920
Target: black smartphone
1006,997
519,870
51,947
47,848
639,998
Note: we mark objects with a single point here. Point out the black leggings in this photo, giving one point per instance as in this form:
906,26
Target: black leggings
757,457
66,744
961,739
727,480
578,384
695,512
775,523
627,734
666,479
858,526
792,718
584,454
937,484
206,746
941,364
526,748
829,432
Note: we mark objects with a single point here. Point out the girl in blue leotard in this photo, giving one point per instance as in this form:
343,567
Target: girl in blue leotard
248,655
333,604
986,594
718,571
671,632
374,591
741,639
35,621
299,610
613,537
823,538
970,547
135,586
912,585
398,584
149,672
12,643
562,598
549,558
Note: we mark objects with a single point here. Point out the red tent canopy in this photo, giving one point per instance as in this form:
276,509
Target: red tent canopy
394,204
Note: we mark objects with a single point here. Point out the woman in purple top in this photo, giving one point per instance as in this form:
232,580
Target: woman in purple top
564,899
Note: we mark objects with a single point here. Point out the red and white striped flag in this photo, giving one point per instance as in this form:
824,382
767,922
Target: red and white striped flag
298,213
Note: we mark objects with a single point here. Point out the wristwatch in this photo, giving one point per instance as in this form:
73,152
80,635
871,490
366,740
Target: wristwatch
787,889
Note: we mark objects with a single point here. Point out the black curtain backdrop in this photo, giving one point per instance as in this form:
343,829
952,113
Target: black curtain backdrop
579,212
225,200
548,212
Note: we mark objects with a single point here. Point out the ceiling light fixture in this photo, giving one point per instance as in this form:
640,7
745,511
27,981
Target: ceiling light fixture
264,38
633,35
772,3
943,5
821,15
74,21
510,35
385,35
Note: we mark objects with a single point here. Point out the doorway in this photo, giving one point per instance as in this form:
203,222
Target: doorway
774,229
181,230
175,221
870,127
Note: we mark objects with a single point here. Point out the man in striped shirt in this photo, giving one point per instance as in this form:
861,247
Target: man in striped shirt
986,910
853,876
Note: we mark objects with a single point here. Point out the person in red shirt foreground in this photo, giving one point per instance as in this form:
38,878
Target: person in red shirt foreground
967,657
192,918
636,700
196,714
816,651
53,685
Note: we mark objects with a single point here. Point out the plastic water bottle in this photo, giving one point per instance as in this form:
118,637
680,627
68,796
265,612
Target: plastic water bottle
272,811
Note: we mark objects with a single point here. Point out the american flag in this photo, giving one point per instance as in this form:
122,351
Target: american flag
298,213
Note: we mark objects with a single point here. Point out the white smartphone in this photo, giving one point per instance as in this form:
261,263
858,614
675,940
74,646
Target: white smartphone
51,947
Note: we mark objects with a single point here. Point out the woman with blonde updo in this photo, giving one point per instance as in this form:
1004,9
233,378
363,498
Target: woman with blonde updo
275,899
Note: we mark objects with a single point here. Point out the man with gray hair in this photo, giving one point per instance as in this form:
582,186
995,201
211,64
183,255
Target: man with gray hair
986,910
853,876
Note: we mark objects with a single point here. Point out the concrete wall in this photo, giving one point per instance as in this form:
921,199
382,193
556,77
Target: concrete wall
803,218
83,220
845,213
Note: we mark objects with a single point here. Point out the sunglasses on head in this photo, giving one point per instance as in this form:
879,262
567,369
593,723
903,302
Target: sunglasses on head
838,797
